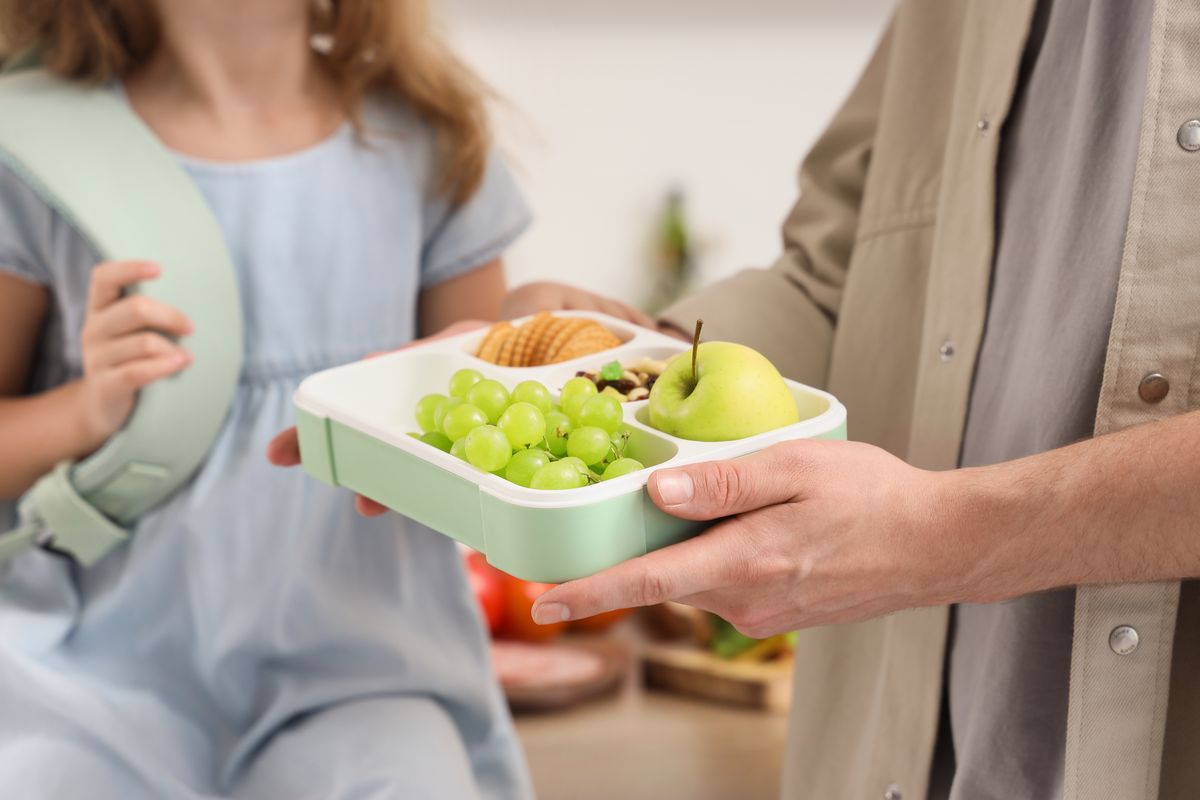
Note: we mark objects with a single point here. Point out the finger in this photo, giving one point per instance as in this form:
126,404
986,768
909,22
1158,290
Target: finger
714,489
284,449
697,565
145,371
670,330
134,314
631,314
114,352
368,507
111,277
455,328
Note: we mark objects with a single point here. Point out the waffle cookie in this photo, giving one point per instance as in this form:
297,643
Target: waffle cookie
545,339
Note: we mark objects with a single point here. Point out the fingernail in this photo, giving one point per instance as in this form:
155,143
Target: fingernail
550,613
675,487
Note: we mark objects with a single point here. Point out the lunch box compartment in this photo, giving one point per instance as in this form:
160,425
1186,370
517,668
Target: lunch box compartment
354,423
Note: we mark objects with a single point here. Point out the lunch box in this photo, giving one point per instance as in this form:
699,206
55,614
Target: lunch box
354,423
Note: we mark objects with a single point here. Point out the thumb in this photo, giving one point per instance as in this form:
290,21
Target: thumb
284,449
715,489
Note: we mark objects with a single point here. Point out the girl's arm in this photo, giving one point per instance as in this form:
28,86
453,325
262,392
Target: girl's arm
546,296
120,356
476,295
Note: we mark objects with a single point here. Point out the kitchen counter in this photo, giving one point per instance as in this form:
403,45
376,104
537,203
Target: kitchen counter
649,744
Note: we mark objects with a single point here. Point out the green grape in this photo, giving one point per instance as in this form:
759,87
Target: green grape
459,449
558,425
427,408
622,466
439,413
439,440
524,463
462,381
460,420
578,462
523,424
533,393
575,393
560,475
620,442
589,444
601,411
489,396
413,434
578,385
488,448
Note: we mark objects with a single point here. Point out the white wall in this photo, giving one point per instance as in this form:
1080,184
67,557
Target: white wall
610,103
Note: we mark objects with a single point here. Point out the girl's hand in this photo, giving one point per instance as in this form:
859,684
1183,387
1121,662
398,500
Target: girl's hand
545,296
124,346
284,449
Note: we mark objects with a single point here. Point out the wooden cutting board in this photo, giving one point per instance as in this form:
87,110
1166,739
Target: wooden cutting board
534,679
691,671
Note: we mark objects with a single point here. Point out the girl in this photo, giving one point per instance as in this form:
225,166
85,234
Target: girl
255,638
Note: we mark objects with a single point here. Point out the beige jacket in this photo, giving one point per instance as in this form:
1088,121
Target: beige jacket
881,296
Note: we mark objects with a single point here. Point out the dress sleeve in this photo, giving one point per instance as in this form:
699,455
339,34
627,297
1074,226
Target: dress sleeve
460,239
26,225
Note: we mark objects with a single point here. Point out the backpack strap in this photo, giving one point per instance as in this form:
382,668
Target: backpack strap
95,163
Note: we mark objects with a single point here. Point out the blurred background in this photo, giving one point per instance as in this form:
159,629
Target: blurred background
658,142
610,106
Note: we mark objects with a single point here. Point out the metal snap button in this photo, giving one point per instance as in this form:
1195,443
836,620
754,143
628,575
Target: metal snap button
1154,387
893,793
983,125
1123,640
946,351
1189,135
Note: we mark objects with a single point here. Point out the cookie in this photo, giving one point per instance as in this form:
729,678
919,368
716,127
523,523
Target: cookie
587,342
545,337
489,347
573,326
523,350
506,349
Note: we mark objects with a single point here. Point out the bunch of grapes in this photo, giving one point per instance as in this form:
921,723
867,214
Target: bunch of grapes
525,436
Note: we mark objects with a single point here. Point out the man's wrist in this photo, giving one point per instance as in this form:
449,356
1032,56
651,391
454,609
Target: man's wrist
997,519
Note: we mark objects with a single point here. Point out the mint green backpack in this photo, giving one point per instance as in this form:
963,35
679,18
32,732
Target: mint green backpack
91,159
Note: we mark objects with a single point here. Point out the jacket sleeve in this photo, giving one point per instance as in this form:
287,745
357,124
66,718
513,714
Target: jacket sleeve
789,312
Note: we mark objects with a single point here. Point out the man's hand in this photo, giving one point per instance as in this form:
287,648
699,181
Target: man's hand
545,296
284,449
810,532
821,532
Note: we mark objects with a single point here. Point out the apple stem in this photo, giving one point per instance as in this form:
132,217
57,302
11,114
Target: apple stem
695,349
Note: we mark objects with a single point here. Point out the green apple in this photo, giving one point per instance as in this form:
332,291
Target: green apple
720,391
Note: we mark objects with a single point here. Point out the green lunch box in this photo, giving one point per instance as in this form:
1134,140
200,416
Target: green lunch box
354,422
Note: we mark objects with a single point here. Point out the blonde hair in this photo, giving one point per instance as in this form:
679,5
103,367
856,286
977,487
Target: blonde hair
367,45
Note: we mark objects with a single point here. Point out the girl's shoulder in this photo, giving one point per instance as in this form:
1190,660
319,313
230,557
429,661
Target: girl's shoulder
391,132
388,122
30,230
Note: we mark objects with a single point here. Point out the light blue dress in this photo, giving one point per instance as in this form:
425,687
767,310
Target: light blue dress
256,638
